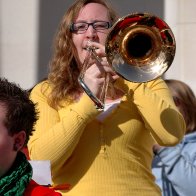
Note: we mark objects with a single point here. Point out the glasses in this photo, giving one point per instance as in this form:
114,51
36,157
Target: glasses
81,27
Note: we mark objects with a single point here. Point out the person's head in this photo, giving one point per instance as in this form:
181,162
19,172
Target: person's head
89,24
185,100
17,118
70,43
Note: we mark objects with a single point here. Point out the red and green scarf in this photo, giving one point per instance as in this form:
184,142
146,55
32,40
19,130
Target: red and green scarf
15,181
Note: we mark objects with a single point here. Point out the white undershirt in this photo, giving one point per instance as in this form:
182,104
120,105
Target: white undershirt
107,109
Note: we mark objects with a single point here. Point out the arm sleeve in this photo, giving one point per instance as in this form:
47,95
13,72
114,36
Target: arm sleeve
58,132
158,110
180,169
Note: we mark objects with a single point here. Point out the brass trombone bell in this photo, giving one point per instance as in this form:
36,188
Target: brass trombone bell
140,47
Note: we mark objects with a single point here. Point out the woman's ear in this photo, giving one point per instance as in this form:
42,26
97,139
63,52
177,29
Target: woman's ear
19,140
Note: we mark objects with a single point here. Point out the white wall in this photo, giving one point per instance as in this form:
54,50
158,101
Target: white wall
181,16
18,41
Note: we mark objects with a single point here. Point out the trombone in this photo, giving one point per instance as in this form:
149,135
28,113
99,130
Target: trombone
140,47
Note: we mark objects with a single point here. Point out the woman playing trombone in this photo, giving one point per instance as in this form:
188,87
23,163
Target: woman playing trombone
99,152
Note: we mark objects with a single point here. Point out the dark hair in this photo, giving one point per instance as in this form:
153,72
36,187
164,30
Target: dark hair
21,113
185,100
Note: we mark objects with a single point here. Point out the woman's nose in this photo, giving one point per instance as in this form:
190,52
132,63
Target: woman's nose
91,32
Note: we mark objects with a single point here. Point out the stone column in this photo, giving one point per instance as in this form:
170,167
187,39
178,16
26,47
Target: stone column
18,41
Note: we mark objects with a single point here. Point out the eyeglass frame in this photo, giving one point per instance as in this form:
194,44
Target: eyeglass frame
109,25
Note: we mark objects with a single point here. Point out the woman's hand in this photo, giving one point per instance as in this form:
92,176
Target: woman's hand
95,74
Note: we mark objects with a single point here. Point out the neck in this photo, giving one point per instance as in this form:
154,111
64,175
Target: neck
114,94
5,168
18,176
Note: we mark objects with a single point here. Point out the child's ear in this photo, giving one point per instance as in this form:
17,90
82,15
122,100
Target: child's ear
19,140
177,101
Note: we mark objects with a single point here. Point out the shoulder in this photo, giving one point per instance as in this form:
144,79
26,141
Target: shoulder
189,144
42,86
190,138
41,89
34,189
157,83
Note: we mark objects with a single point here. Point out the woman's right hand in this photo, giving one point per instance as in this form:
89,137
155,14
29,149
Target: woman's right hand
94,76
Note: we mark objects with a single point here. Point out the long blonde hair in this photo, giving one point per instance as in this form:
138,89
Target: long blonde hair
64,66
185,100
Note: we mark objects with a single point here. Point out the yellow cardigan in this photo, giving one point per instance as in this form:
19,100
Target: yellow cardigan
109,158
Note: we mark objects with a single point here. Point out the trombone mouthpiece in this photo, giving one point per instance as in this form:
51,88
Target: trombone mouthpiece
89,46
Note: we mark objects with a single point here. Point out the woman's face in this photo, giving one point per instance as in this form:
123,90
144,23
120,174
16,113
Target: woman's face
90,13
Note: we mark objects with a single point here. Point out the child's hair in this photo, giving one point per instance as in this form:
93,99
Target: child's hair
21,114
185,100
